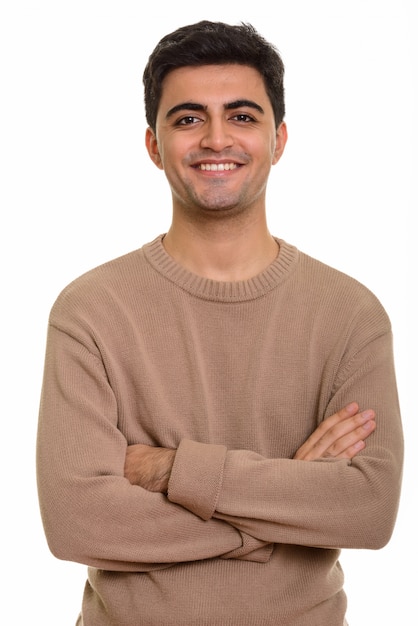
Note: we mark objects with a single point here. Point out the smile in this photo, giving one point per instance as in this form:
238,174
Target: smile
217,167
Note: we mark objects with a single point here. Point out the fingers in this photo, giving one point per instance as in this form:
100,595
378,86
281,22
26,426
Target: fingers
350,443
334,420
341,435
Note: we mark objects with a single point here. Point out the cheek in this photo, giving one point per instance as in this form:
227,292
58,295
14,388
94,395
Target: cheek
168,154
264,150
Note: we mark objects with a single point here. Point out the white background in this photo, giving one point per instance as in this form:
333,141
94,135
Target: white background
77,189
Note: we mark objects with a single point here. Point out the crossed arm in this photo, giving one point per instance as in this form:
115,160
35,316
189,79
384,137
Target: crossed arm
340,436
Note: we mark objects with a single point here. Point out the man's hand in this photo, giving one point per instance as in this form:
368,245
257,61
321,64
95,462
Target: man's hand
340,436
149,467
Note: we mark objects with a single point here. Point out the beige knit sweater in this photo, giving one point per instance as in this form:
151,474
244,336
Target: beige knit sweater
235,376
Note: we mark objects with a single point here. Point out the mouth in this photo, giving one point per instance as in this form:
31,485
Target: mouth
217,167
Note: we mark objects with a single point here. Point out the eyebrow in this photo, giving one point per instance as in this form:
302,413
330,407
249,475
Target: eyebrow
195,106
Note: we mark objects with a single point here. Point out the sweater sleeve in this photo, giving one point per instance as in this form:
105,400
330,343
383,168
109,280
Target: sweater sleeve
324,503
91,513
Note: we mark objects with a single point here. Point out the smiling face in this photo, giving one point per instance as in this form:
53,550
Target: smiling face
216,138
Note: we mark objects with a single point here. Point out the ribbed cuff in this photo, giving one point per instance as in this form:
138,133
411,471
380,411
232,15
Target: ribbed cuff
196,477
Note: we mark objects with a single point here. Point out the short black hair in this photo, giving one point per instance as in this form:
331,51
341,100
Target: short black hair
213,43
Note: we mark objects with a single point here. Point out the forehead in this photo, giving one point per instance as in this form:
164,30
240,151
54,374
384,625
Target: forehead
212,84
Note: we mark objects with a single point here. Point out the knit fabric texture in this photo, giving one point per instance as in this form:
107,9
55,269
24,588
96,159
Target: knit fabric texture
235,376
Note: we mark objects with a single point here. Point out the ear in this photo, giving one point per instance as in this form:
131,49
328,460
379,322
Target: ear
281,139
152,147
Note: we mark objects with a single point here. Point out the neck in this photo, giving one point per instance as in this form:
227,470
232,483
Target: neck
220,252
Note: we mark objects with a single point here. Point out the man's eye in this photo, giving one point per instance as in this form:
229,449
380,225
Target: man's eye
189,119
243,117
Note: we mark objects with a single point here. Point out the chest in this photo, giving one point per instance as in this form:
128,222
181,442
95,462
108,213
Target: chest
246,377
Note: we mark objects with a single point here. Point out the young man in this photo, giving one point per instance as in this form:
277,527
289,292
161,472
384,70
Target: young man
207,398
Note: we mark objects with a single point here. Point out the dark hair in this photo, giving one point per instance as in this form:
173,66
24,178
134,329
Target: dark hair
213,43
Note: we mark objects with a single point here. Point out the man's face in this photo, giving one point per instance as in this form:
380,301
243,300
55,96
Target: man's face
216,138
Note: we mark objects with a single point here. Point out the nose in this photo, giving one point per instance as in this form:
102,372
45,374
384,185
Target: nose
216,135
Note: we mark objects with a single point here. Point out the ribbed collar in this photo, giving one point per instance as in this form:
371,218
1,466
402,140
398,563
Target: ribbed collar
208,289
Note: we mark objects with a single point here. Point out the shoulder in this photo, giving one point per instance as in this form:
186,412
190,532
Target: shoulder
335,294
333,281
113,281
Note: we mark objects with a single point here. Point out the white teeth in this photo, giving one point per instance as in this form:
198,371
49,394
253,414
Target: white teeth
217,167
